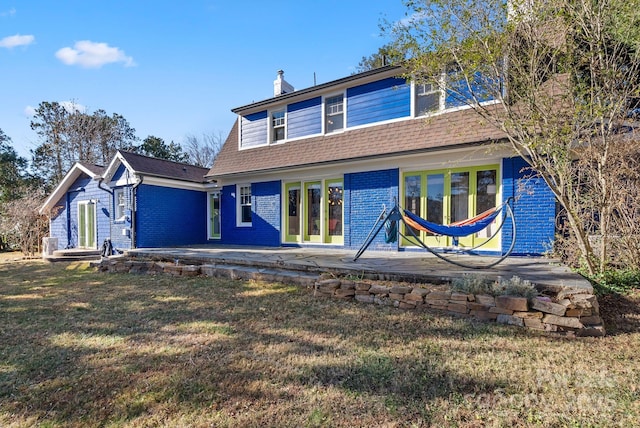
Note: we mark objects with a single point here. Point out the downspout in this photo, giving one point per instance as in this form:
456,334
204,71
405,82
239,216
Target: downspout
69,192
134,202
111,192
103,188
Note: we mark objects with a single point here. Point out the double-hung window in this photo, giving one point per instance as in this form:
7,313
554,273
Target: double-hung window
427,98
334,113
244,205
278,126
120,204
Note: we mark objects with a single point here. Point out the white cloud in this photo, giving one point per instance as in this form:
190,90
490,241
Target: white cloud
72,107
69,106
17,40
9,12
90,54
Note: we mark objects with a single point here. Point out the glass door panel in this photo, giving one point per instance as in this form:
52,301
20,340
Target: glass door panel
436,208
293,213
486,198
334,193
214,213
460,204
313,206
412,202
87,225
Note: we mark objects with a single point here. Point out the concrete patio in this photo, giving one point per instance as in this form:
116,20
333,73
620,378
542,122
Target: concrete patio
409,266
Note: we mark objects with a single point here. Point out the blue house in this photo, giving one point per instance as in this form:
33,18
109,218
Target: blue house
135,202
79,209
315,167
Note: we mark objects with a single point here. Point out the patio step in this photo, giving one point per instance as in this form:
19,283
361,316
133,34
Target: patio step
73,255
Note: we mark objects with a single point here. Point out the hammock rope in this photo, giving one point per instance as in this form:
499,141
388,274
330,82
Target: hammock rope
455,230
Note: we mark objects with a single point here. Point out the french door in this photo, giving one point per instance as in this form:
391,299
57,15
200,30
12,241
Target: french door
313,212
87,225
449,196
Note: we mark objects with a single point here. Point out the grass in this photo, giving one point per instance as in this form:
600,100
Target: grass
80,348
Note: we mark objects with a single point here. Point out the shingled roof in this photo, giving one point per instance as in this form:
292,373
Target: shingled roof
457,128
146,165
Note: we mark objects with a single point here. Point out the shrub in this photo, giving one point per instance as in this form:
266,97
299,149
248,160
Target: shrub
476,284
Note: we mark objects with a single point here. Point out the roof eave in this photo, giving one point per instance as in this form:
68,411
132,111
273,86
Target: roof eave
487,141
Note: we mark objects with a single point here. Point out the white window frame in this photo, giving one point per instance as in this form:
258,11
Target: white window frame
242,201
325,114
120,213
273,127
435,88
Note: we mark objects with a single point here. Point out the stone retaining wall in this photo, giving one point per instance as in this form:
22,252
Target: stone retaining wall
571,312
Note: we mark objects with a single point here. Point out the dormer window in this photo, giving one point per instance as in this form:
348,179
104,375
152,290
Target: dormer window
278,123
427,99
334,113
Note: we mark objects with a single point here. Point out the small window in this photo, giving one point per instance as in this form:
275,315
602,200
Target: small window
120,204
427,99
334,113
278,126
244,205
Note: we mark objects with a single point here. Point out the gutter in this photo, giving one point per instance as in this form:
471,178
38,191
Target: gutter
134,210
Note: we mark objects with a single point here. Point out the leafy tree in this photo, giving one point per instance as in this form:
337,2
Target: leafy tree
564,73
157,148
69,135
203,151
386,55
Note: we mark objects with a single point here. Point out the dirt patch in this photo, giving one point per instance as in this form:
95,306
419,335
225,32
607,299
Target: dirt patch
621,312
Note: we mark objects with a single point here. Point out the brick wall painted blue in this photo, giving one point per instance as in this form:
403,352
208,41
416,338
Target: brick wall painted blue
365,195
378,101
64,225
253,129
304,118
534,209
168,217
265,220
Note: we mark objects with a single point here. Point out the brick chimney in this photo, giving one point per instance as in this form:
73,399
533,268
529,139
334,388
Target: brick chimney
281,86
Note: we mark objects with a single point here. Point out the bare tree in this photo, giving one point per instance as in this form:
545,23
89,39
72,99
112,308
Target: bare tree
203,150
558,77
69,135
21,224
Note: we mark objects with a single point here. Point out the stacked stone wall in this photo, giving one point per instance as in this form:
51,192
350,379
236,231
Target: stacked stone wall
571,312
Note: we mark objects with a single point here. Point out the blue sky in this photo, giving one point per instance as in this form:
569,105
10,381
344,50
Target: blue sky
174,68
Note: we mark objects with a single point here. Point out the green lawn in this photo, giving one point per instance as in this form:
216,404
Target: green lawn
81,348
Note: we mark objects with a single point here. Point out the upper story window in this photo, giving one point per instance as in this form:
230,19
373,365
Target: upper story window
278,126
244,205
334,113
427,98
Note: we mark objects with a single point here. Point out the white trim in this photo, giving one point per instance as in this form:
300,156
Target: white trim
459,156
171,183
113,166
61,189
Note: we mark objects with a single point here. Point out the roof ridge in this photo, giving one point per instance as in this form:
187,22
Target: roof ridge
152,158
